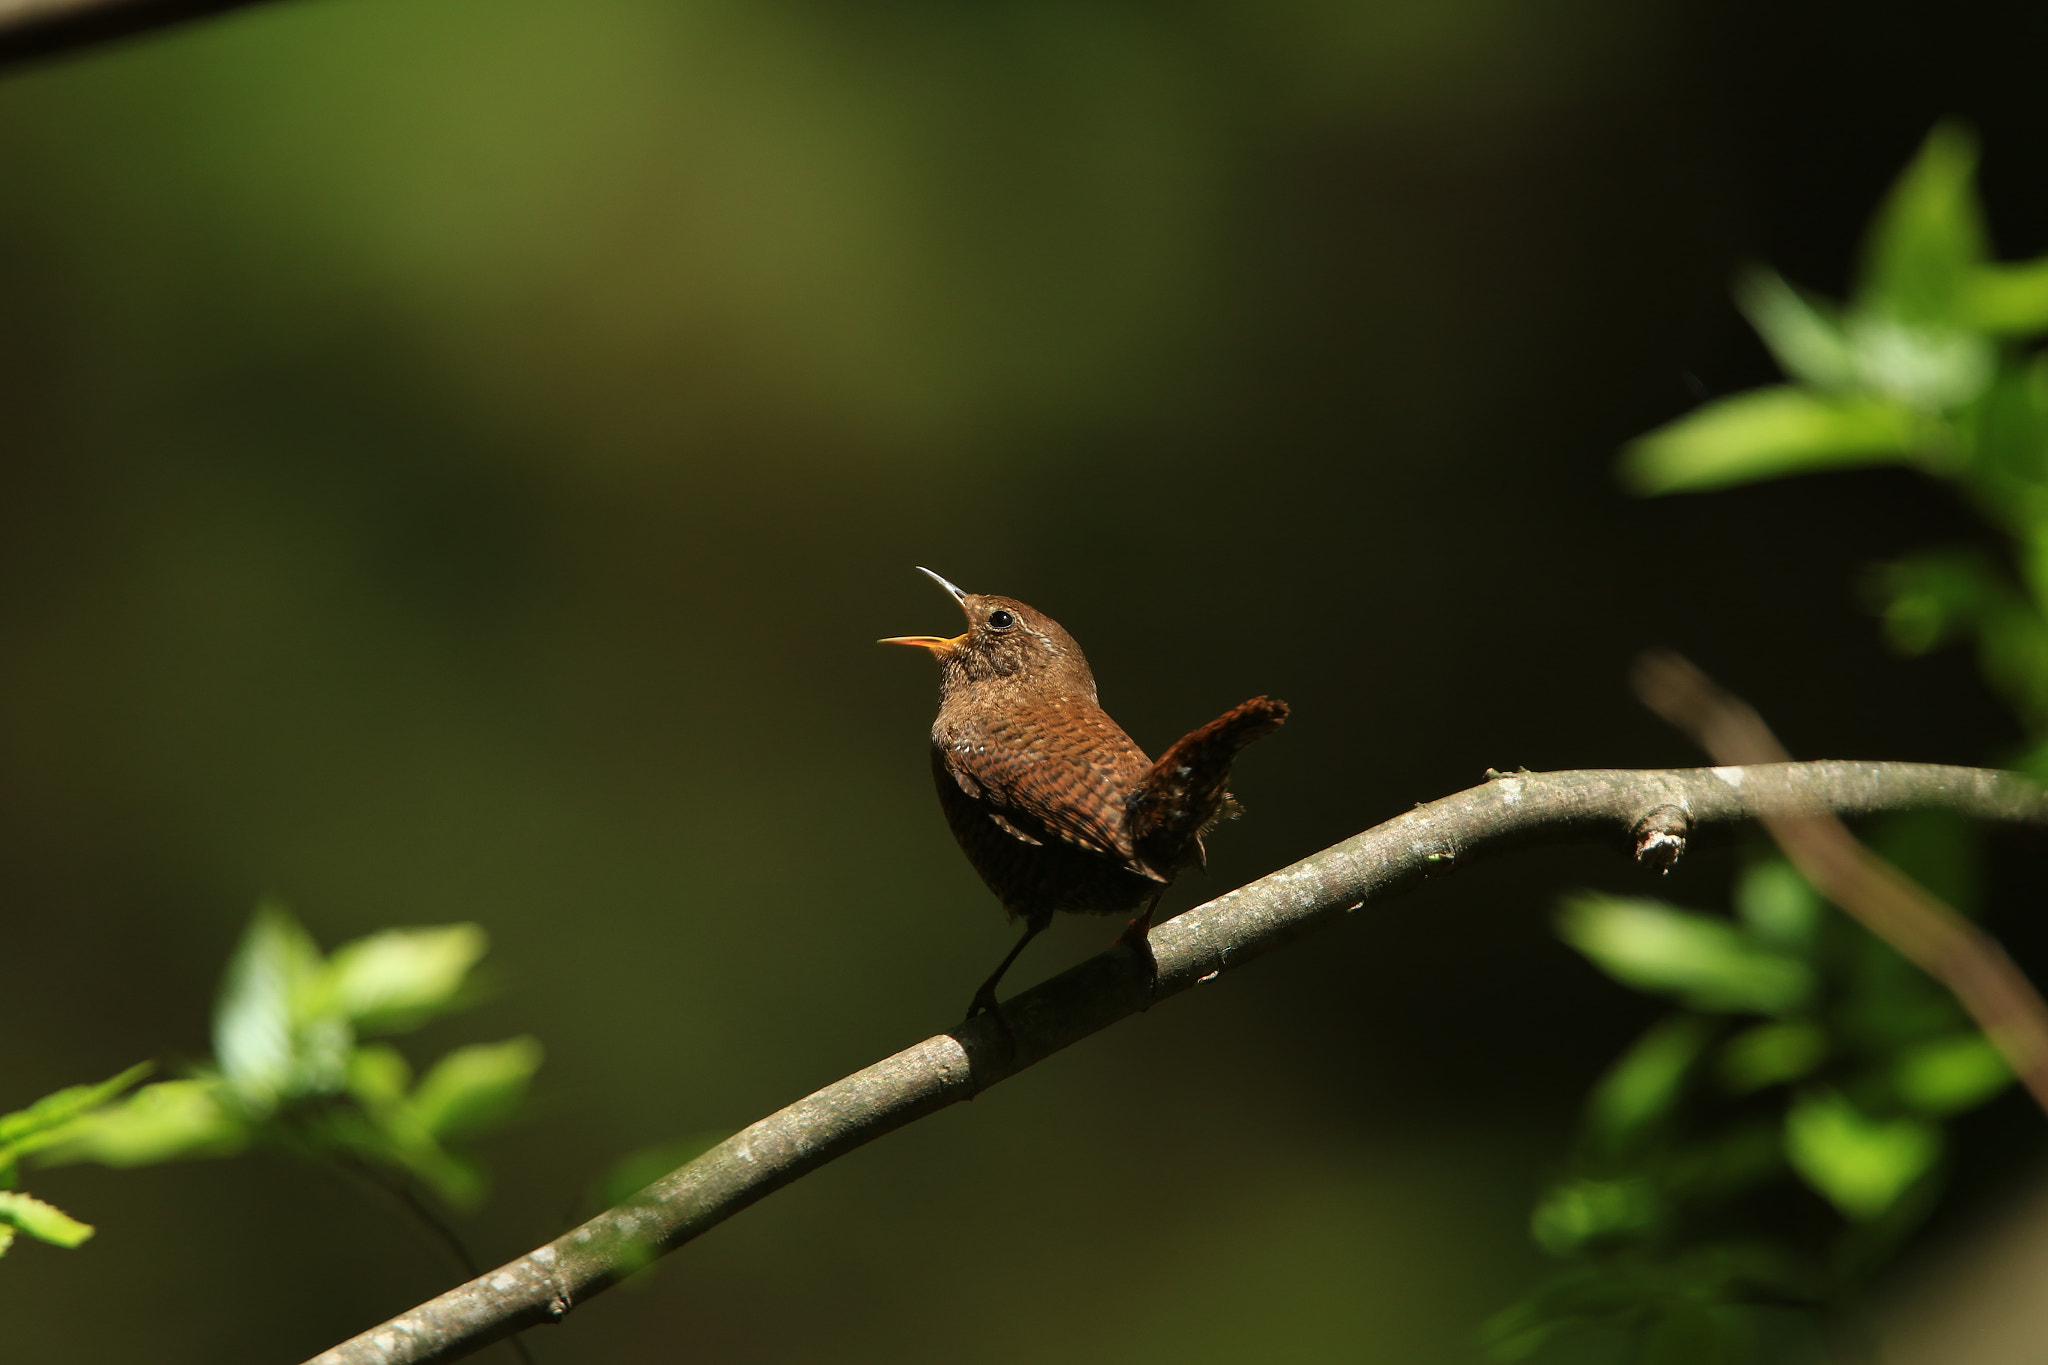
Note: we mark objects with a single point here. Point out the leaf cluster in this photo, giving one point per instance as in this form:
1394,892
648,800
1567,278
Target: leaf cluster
1773,1140
34,1129
1767,1144
1934,363
292,1070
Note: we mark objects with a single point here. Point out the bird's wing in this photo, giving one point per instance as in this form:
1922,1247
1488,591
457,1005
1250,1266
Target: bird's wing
1067,781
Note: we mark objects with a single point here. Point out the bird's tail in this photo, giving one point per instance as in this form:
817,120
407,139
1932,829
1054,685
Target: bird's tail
1188,787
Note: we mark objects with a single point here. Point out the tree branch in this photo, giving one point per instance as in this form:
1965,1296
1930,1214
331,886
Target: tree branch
1923,930
30,29
1650,812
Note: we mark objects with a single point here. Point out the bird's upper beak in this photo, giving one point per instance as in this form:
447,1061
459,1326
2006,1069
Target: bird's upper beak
939,645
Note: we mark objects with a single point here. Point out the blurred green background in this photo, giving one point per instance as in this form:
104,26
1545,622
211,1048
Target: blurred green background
459,455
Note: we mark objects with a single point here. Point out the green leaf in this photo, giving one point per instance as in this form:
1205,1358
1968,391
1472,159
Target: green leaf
1704,961
1928,239
475,1087
1779,906
1920,365
19,1130
258,1041
1645,1082
397,979
1949,1075
2011,300
44,1222
1766,434
1771,1054
1578,1211
1804,335
2005,434
167,1121
1861,1165
378,1076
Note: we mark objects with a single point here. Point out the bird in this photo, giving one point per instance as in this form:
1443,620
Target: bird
1054,805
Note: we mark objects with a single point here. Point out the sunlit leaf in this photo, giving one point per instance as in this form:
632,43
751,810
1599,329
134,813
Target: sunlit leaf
378,1075
1766,434
396,979
166,1121
257,1040
1778,904
1645,1082
1928,238
1949,1075
1771,1054
1861,1165
2008,299
1706,962
25,1129
44,1222
474,1087
1804,335
1918,364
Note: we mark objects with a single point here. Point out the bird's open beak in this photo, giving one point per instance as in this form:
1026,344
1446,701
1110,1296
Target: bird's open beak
937,644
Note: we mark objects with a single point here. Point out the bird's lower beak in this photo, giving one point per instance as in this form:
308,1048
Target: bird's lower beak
937,644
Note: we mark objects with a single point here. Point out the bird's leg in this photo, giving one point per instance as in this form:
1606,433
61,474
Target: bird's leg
1137,937
985,998
1137,930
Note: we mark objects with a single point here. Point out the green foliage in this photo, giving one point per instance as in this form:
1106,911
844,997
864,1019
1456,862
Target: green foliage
1672,1214
33,1129
1933,363
289,1069
1768,1142
1708,962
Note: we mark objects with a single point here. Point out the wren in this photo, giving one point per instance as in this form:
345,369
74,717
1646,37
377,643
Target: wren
1055,806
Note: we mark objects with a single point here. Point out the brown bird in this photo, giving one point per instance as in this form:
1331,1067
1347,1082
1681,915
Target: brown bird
1052,802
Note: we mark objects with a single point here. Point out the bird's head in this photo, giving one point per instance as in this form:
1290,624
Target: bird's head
1006,644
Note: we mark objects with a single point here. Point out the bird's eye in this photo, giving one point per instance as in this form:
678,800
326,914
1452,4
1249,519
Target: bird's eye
1000,619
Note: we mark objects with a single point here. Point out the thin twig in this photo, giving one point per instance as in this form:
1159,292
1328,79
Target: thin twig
1650,812
402,1192
1886,901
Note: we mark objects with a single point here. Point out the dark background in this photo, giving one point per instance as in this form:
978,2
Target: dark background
458,456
